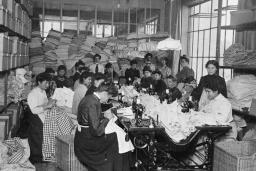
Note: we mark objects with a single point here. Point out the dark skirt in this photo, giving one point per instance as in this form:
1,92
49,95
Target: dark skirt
35,138
99,153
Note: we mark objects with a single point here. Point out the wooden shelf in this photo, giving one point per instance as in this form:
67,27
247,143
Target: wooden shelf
241,27
12,33
23,7
245,67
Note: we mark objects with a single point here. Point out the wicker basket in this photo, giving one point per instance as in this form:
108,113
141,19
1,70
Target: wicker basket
235,156
65,156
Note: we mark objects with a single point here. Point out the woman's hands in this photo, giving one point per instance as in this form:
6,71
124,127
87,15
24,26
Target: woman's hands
50,104
108,114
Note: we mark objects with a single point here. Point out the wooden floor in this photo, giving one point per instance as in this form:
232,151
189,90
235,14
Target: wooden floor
53,167
46,167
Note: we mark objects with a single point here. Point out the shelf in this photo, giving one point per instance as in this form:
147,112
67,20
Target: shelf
228,8
12,33
205,15
245,67
241,27
23,7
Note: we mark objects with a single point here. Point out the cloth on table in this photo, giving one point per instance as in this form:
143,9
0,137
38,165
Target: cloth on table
123,145
57,122
64,96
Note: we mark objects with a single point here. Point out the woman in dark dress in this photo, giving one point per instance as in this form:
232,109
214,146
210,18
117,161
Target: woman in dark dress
97,150
159,84
61,79
212,67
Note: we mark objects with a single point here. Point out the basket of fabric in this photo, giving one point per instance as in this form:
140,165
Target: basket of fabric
65,156
235,156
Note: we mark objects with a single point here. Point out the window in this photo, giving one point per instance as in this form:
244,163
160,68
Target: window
97,21
202,33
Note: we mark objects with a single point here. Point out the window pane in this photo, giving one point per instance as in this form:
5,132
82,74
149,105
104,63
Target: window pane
206,7
201,44
191,44
196,23
206,43
195,44
204,23
213,42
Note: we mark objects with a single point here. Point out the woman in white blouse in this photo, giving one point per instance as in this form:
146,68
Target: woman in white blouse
85,81
219,106
37,99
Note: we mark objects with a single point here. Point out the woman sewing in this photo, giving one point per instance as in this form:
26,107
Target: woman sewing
218,105
97,150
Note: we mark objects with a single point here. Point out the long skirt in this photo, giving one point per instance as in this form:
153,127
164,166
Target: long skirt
99,153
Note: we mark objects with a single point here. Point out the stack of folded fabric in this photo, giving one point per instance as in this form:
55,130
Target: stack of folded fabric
73,49
52,40
35,47
66,38
62,51
79,40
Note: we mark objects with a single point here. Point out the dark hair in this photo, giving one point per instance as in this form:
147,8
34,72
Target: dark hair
83,69
62,67
164,59
84,75
147,68
99,76
189,79
110,88
213,82
95,56
43,77
213,62
184,58
172,78
49,70
133,62
79,63
148,55
157,72
108,65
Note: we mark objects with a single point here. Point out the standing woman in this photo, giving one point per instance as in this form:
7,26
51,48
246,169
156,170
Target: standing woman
212,67
95,149
165,70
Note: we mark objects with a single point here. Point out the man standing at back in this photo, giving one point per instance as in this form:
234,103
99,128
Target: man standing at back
97,67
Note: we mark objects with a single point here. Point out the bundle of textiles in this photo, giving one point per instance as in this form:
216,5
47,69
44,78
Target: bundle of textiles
178,125
14,155
237,55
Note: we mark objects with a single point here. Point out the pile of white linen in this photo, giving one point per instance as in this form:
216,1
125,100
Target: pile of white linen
177,125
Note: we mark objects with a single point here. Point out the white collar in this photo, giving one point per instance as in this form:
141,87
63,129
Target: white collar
97,95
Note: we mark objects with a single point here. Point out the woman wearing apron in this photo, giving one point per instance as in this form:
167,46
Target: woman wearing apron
95,149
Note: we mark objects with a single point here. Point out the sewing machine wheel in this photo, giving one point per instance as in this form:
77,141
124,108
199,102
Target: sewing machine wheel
140,141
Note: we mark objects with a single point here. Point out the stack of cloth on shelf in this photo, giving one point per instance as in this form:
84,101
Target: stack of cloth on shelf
236,54
36,53
241,90
52,40
67,48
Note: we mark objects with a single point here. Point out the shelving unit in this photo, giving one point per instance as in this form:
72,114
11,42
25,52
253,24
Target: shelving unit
21,32
245,67
241,27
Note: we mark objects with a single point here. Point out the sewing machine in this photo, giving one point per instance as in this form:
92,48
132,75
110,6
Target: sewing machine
154,149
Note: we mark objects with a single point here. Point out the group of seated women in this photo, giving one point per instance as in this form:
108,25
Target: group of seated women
97,150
